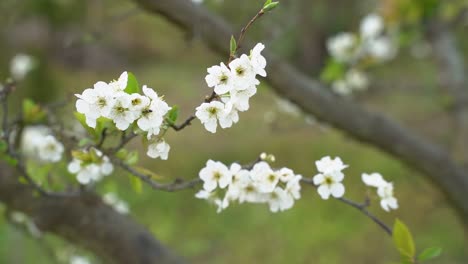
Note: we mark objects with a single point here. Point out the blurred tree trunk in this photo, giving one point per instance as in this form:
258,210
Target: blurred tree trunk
85,220
452,77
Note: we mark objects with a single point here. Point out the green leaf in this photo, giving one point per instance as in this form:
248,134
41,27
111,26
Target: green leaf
233,46
403,240
82,119
267,2
173,114
136,183
148,173
429,253
32,112
132,158
270,6
132,84
333,71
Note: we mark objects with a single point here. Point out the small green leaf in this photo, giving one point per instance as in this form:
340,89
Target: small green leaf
121,154
173,114
136,183
333,71
32,112
270,6
403,240
148,173
132,84
233,46
132,158
11,161
429,253
82,119
267,2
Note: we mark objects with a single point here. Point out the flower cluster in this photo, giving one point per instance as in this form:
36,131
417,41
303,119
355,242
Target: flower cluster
355,51
261,184
38,143
115,202
330,177
90,165
384,190
234,85
112,101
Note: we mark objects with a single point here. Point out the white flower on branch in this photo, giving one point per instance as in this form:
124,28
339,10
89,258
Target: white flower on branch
159,149
388,201
221,78
210,113
20,65
257,60
215,174
120,84
371,26
384,190
115,202
261,184
38,143
243,72
90,166
152,115
330,177
95,102
343,46
121,113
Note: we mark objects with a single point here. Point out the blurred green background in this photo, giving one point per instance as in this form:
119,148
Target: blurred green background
78,43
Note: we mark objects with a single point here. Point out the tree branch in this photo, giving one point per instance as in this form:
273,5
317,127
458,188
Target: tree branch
85,220
314,98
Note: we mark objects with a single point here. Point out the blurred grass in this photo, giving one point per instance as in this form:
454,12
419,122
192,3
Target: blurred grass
314,231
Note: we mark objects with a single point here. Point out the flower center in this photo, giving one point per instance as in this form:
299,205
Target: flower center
249,189
271,178
213,111
217,175
136,101
240,71
102,102
223,79
328,180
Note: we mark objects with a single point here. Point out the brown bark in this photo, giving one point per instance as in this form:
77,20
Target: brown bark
314,98
85,220
452,76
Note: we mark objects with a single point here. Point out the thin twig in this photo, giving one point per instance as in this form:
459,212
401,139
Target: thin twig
359,206
213,95
177,185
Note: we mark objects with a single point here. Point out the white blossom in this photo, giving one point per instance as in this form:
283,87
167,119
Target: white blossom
374,180
95,102
90,170
50,149
240,98
342,46
384,190
371,26
121,113
215,174
388,201
20,65
264,177
159,149
277,200
209,113
120,84
152,116
257,60
381,49
79,260
115,202
38,143
221,78
243,73
330,177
